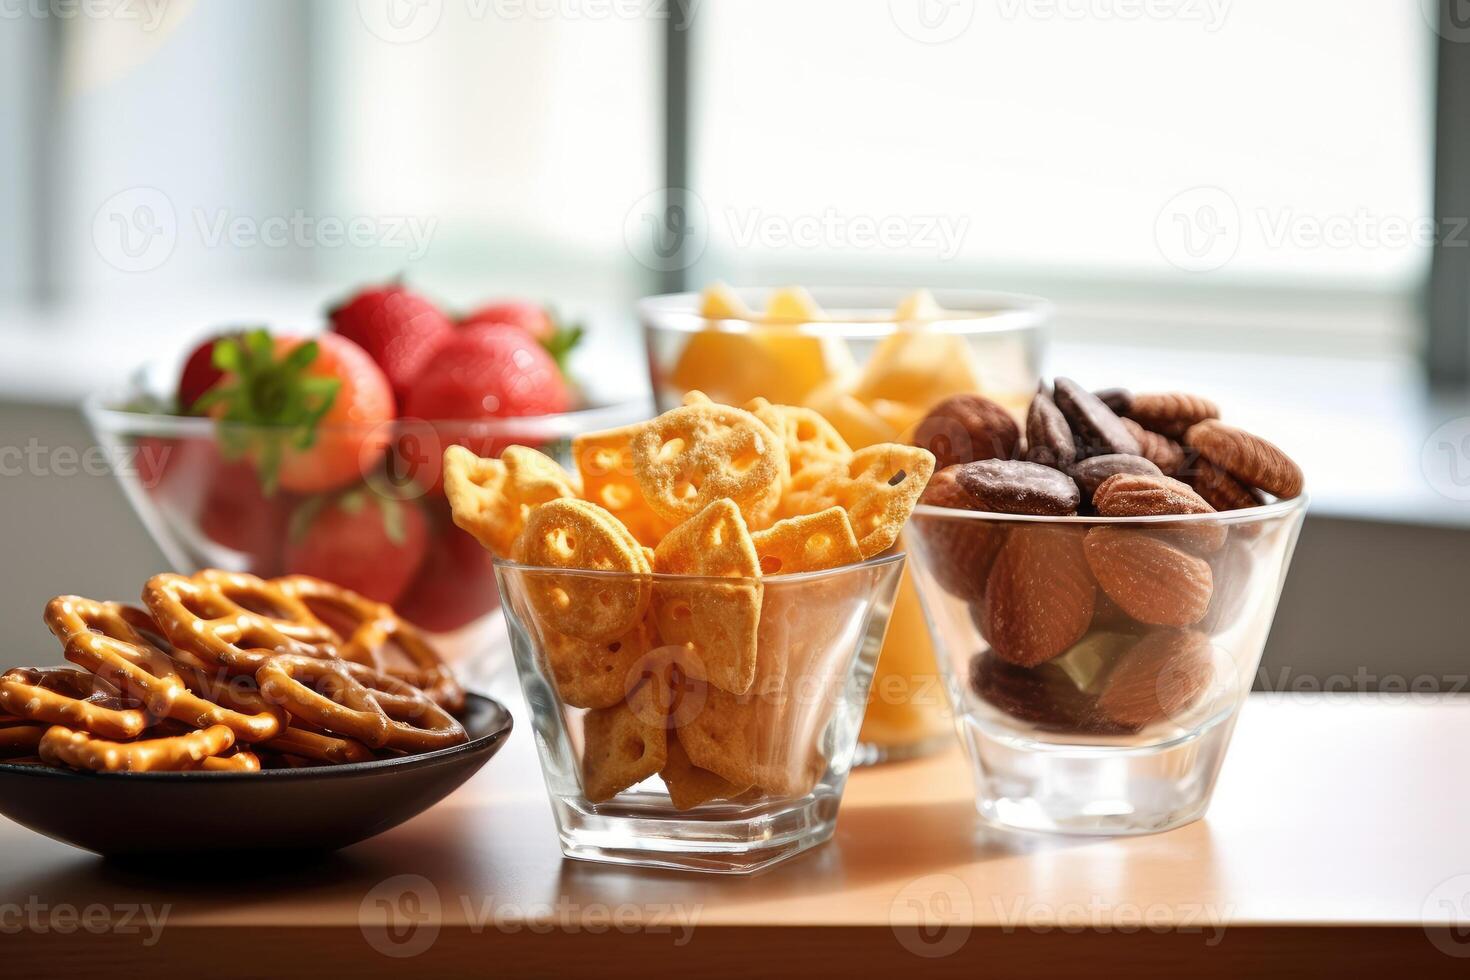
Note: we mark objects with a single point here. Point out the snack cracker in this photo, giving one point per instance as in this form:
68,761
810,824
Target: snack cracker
717,621
689,785
605,462
576,534
624,746
691,456
490,498
878,488
809,438
807,543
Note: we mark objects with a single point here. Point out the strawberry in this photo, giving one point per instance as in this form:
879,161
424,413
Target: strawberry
235,512
200,374
455,586
488,371
537,320
365,542
398,328
311,414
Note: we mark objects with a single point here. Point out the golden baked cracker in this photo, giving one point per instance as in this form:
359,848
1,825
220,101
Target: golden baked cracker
807,544
691,456
595,675
605,462
490,497
722,737
809,438
878,488
696,397
689,785
576,534
716,620
477,493
622,747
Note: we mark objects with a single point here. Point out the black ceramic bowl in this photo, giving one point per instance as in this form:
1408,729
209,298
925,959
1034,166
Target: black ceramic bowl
315,809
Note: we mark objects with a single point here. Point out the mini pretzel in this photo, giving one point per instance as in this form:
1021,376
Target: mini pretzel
577,534
318,747
377,710
20,739
878,488
233,620
691,456
148,675
81,750
62,696
237,762
372,631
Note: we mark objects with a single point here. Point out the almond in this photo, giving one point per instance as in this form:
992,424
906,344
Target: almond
1162,451
1161,675
1039,597
1151,580
1142,495
1249,458
1171,413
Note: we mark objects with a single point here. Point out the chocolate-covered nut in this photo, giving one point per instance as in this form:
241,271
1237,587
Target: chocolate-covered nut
964,428
1044,696
1090,473
1048,437
1013,486
1095,428
1117,399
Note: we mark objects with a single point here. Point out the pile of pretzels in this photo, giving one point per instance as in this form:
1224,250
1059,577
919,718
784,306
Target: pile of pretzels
224,671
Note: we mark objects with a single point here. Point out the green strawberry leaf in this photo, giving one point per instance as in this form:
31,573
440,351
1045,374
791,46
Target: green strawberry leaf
563,340
268,404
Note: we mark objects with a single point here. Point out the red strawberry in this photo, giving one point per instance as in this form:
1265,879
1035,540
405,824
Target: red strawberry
455,586
537,320
200,374
488,371
400,330
235,512
370,544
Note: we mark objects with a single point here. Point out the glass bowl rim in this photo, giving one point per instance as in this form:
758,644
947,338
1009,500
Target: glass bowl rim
877,561
1245,515
1013,312
100,409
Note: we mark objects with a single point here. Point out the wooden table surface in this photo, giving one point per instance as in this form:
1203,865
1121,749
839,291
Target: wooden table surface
1337,841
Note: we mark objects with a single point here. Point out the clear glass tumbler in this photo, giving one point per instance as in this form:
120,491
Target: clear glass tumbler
649,763
1097,665
874,377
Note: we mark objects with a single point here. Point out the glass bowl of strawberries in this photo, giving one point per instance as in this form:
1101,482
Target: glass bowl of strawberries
1100,591
279,454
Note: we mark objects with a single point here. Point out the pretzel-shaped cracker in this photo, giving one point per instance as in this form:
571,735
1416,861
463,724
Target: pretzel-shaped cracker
62,696
809,438
605,463
349,699
372,631
578,534
490,498
689,457
234,620
82,750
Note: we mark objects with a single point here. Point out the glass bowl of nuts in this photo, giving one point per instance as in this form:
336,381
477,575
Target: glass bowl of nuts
1100,598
